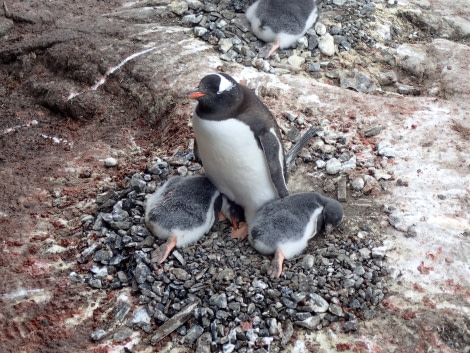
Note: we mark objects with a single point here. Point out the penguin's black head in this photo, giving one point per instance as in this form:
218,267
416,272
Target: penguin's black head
332,215
215,90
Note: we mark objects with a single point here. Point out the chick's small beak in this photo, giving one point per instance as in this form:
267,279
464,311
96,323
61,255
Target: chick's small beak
328,229
195,93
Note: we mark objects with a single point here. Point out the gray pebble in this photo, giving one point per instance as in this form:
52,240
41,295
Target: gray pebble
98,335
122,334
110,162
350,326
180,274
333,166
336,310
358,184
193,334
311,323
308,262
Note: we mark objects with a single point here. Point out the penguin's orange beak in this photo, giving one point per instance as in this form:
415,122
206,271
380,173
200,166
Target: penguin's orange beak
195,94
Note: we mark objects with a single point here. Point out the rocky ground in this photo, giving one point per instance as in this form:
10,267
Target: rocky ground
94,118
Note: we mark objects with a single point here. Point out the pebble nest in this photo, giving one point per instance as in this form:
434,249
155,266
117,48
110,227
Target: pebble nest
234,305
215,294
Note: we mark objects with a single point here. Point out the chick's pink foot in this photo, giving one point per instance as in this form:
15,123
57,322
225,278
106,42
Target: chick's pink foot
275,268
160,254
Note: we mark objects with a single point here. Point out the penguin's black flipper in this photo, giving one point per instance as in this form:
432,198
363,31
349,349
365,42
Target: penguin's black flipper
274,153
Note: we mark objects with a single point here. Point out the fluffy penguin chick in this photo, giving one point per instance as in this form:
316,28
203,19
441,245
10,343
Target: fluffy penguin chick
284,226
281,22
238,141
182,210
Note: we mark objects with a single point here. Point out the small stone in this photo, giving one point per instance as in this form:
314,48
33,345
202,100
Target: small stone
204,343
314,67
95,283
141,316
317,304
320,28
346,45
358,184
200,31
311,323
333,166
296,61
191,19
373,131
193,334
182,171
336,310
225,44
110,162
219,300
359,270
320,163
272,327
122,308
287,332
379,252
326,44
308,261
141,272
350,164
98,335
180,274
339,2
384,149
178,7
226,275
380,174
387,78
103,256
122,334
350,326
365,253
356,80
408,90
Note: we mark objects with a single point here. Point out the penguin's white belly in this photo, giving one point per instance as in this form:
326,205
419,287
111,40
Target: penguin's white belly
234,162
292,248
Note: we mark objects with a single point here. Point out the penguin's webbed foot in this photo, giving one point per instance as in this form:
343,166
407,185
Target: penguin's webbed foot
161,253
275,268
269,49
240,233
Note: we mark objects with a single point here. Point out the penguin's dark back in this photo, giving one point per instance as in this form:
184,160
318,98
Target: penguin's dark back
285,16
185,203
287,216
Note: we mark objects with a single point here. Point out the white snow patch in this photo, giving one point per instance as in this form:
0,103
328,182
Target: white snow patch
16,127
37,295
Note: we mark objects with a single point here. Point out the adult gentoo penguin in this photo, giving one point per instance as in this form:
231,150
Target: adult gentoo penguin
284,226
239,143
281,22
182,210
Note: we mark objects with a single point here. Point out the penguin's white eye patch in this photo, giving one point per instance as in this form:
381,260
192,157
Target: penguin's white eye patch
224,85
